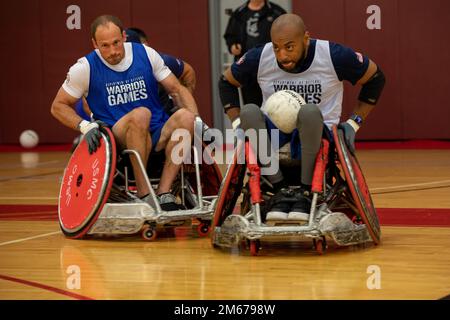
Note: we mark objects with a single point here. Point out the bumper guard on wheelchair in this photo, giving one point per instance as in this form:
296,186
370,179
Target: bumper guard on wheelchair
114,209
323,223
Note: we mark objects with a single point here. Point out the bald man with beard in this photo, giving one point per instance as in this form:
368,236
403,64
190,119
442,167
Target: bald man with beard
315,69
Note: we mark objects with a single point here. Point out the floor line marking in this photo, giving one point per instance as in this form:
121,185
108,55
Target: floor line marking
29,238
13,178
415,185
29,198
46,287
39,164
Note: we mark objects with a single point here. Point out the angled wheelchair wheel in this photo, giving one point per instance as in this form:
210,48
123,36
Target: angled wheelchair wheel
320,245
255,246
86,185
210,175
210,178
230,189
358,186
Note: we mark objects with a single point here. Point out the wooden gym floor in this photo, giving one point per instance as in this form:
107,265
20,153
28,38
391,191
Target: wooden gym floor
410,188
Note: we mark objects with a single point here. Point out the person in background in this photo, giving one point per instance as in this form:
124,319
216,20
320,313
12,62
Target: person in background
249,27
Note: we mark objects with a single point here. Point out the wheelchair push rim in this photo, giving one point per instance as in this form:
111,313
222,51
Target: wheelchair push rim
210,174
358,186
230,189
86,185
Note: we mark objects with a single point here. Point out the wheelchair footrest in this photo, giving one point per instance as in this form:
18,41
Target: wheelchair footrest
122,218
232,230
342,230
348,238
335,225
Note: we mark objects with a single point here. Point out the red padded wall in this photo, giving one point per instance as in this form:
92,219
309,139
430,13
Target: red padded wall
381,46
180,28
424,63
411,48
323,19
40,49
21,80
61,49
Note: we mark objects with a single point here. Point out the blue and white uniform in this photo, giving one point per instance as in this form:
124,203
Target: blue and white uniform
318,79
177,67
174,64
114,90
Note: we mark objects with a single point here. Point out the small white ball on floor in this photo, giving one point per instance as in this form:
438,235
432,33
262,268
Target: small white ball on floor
29,139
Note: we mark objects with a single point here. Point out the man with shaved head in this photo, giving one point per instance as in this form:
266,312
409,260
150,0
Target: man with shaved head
315,69
120,83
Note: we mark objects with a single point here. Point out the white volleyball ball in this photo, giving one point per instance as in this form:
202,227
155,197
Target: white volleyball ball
282,108
29,139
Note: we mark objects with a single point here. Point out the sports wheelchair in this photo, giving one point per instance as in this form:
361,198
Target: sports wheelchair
341,204
97,194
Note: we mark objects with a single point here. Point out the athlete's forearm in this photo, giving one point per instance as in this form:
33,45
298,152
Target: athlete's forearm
188,78
66,115
184,99
86,107
363,109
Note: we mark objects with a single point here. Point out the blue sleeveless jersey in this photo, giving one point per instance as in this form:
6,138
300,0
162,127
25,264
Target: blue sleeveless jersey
113,94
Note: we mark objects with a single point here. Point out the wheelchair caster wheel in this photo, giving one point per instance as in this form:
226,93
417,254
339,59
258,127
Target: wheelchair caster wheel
254,247
243,245
214,246
320,245
148,233
203,229
212,241
357,220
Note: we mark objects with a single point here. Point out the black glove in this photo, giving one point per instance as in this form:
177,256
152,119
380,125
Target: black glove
91,132
349,134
